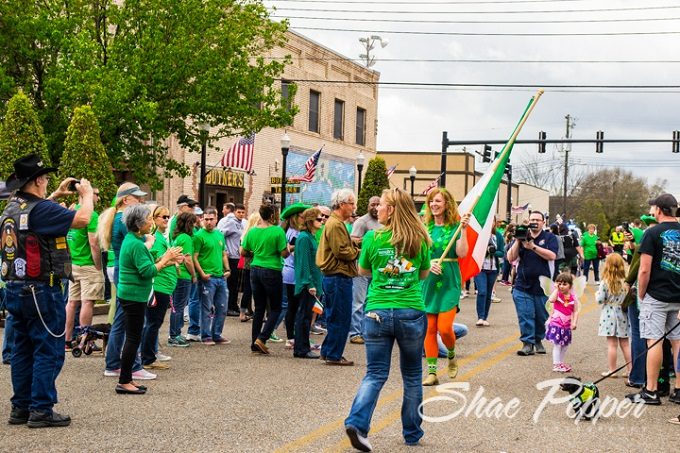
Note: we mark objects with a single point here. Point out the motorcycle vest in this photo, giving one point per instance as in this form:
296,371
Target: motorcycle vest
26,255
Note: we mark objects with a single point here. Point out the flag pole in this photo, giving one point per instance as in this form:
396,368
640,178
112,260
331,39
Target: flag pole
506,149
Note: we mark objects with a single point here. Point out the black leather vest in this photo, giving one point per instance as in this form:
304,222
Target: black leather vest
26,255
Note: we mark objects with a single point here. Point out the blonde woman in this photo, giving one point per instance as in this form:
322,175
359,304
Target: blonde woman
441,290
397,258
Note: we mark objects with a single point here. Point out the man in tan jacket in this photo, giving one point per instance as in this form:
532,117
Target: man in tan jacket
336,257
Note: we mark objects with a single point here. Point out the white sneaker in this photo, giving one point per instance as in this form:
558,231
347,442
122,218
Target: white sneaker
112,373
191,337
162,357
358,441
143,375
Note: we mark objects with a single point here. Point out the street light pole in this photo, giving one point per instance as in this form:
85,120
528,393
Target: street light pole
412,172
360,166
285,146
205,129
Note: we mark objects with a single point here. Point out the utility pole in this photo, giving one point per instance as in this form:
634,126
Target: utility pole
567,149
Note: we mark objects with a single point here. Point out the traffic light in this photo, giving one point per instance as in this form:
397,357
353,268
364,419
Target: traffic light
599,144
508,169
486,153
676,141
541,146
496,154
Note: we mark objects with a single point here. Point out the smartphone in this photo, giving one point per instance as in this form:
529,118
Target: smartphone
72,185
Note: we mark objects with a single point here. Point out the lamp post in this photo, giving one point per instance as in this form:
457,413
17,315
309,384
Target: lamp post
285,146
360,166
204,129
412,172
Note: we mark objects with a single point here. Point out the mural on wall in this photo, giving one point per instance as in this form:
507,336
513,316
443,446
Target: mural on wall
332,173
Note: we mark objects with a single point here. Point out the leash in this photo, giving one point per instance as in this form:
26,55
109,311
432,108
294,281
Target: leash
611,373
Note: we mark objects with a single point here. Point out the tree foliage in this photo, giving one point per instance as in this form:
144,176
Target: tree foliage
84,155
374,183
611,196
148,68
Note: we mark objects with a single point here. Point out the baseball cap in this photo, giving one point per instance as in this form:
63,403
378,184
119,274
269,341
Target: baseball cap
665,202
184,199
133,190
648,219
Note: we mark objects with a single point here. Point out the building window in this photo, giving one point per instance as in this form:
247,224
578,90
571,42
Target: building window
285,94
361,126
339,120
314,102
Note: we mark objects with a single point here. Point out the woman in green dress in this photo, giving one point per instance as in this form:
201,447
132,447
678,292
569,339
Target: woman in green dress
441,289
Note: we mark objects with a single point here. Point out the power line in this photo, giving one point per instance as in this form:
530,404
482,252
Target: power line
464,60
468,2
555,11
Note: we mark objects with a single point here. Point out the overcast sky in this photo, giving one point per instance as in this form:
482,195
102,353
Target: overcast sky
413,119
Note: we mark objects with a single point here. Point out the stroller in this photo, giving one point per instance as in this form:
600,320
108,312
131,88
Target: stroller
86,337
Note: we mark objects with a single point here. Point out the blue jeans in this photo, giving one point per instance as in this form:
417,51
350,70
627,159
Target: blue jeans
37,355
284,307
359,291
337,291
596,268
8,339
267,285
407,327
194,311
484,282
214,297
179,300
114,347
638,347
531,314
154,317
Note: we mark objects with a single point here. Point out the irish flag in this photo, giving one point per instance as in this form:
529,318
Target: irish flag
481,203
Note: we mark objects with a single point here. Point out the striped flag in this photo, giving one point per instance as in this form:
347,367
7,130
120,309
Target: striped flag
240,155
519,209
310,168
390,170
481,220
432,185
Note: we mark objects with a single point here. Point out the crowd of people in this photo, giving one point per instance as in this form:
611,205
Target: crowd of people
389,275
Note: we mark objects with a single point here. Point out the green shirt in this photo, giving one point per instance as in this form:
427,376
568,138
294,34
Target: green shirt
441,293
637,234
210,249
166,280
395,279
136,268
589,244
79,242
186,242
266,244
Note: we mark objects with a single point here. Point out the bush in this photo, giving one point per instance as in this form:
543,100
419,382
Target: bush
373,185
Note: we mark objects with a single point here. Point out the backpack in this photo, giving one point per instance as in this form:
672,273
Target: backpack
568,241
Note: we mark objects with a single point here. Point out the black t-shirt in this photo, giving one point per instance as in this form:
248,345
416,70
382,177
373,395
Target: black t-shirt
662,242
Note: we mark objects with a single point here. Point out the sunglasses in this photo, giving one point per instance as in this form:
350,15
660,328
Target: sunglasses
319,219
164,217
324,216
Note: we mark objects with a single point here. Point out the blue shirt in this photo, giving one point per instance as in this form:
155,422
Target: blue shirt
50,219
531,266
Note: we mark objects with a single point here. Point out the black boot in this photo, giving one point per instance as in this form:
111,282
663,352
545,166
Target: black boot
527,349
18,416
39,419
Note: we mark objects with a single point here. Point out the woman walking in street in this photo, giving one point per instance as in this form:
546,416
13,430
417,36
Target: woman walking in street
590,255
441,292
397,258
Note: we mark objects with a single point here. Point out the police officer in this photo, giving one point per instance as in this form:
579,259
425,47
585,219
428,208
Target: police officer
35,257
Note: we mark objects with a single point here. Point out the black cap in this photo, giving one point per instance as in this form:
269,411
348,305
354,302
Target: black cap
183,199
666,202
26,169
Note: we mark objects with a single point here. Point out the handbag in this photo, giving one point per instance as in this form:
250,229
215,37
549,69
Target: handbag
241,262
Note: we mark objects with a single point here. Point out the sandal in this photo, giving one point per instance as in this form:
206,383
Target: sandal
607,373
675,420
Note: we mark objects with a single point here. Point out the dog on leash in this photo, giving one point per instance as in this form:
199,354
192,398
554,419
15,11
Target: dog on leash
585,397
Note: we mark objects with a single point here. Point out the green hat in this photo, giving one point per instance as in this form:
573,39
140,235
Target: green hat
293,209
648,219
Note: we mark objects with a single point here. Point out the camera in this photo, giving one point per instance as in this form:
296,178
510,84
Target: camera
521,232
72,185
533,225
292,241
491,250
626,227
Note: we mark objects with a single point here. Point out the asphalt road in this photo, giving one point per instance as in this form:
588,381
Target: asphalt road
222,398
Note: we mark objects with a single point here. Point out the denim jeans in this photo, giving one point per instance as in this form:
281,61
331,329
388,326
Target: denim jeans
596,268
337,291
359,291
114,347
407,327
484,282
233,283
7,339
531,314
638,347
247,296
507,267
214,296
194,311
267,285
153,322
37,355
284,307
179,300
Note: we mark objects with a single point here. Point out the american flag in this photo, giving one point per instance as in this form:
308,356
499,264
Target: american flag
240,155
432,185
390,170
519,209
310,167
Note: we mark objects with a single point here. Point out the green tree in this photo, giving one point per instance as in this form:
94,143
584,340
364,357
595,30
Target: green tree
84,155
150,69
374,183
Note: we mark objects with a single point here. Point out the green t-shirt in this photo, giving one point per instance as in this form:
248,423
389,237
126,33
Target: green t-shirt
187,243
637,234
589,244
210,247
166,280
79,242
136,269
395,279
266,244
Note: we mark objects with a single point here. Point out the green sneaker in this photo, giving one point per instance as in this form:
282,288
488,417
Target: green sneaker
178,342
275,338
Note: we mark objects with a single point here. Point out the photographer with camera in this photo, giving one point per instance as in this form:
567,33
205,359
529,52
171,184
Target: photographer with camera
35,258
536,250
486,279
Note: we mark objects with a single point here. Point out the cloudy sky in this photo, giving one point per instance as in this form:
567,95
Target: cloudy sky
412,118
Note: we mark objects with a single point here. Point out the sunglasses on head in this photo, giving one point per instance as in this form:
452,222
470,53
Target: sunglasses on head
324,216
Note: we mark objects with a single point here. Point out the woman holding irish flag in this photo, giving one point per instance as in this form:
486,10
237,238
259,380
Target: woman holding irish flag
441,289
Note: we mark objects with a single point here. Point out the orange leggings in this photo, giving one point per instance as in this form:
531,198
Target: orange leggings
442,322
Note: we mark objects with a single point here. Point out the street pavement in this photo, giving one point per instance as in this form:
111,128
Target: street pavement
224,399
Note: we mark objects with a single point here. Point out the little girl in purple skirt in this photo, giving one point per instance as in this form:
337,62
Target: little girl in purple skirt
563,319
